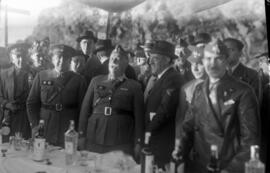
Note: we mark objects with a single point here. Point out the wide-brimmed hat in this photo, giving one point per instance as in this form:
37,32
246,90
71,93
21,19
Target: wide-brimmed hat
216,48
202,38
103,45
164,48
63,50
196,54
86,35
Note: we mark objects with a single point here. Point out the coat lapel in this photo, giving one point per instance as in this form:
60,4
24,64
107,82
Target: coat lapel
159,81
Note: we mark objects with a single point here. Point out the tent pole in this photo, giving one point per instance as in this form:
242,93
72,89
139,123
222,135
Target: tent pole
108,25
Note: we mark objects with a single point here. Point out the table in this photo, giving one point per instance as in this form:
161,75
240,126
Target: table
21,162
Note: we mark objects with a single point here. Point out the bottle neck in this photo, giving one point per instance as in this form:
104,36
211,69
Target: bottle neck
254,153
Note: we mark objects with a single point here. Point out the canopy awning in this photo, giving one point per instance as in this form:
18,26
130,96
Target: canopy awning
113,5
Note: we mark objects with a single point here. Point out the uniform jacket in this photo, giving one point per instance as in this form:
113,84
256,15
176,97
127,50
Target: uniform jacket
249,76
15,87
48,95
185,97
124,125
162,102
233,129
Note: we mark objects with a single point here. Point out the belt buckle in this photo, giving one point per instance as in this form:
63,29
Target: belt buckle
58,107
107,111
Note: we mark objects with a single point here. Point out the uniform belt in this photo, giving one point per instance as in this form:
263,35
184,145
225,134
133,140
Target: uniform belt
114,111
58,107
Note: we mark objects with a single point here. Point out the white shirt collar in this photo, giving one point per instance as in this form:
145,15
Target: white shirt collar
164,71
235,66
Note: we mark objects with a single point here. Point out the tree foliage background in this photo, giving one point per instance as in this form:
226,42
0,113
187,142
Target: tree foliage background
157,19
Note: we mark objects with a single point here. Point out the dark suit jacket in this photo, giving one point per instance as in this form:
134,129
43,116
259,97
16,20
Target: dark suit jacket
249,76
163,101
233,129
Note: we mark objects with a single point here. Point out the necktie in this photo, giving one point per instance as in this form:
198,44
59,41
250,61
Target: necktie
149,86
213,96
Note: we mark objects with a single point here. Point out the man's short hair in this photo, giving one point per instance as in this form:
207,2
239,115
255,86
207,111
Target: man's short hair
238,43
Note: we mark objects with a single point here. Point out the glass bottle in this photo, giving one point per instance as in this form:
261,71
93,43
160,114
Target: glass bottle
71,142
254,165
39,142
147,157
213,166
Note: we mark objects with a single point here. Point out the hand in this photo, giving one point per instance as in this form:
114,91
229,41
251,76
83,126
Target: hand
176,155
34,131
81,143
11,106
137,152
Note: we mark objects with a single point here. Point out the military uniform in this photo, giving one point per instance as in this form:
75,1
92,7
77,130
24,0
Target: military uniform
57,100
234,128
111,116
14,87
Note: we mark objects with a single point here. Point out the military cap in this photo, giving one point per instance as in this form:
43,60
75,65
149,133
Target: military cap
19,48
119,51
164,48
139,52
86,35
103,45
63,50
238,43
202,38
3,52
196,55
216,48
148,45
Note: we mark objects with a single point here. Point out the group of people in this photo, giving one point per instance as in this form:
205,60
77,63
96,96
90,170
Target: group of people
188,96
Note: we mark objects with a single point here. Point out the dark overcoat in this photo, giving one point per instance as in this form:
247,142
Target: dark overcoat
15,88
233,129
56,100
122,128
162,102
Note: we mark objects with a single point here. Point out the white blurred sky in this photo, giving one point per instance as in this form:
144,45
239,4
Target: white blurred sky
21,26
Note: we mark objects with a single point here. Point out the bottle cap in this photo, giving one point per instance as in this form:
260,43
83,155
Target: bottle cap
214,148
147,137
41,121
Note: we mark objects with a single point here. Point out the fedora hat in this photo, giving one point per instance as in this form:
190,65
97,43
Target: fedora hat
163,48
63,50
86,35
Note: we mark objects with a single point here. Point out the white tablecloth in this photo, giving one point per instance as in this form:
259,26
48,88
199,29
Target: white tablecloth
21,162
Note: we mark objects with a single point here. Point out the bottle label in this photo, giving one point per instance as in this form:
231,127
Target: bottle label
69,147
149,163
39,149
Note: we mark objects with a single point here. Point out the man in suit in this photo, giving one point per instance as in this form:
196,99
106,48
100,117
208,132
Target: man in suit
239,70
161,100
14,89
86,43
224,112
56,96
111,116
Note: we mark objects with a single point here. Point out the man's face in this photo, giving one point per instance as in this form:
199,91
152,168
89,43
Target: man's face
215,66
234,53
117,64
140,60
17,59
197,69
77,64
37,59
87,46
60,64
158,63
181,54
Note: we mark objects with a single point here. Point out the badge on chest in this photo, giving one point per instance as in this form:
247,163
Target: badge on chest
47,82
